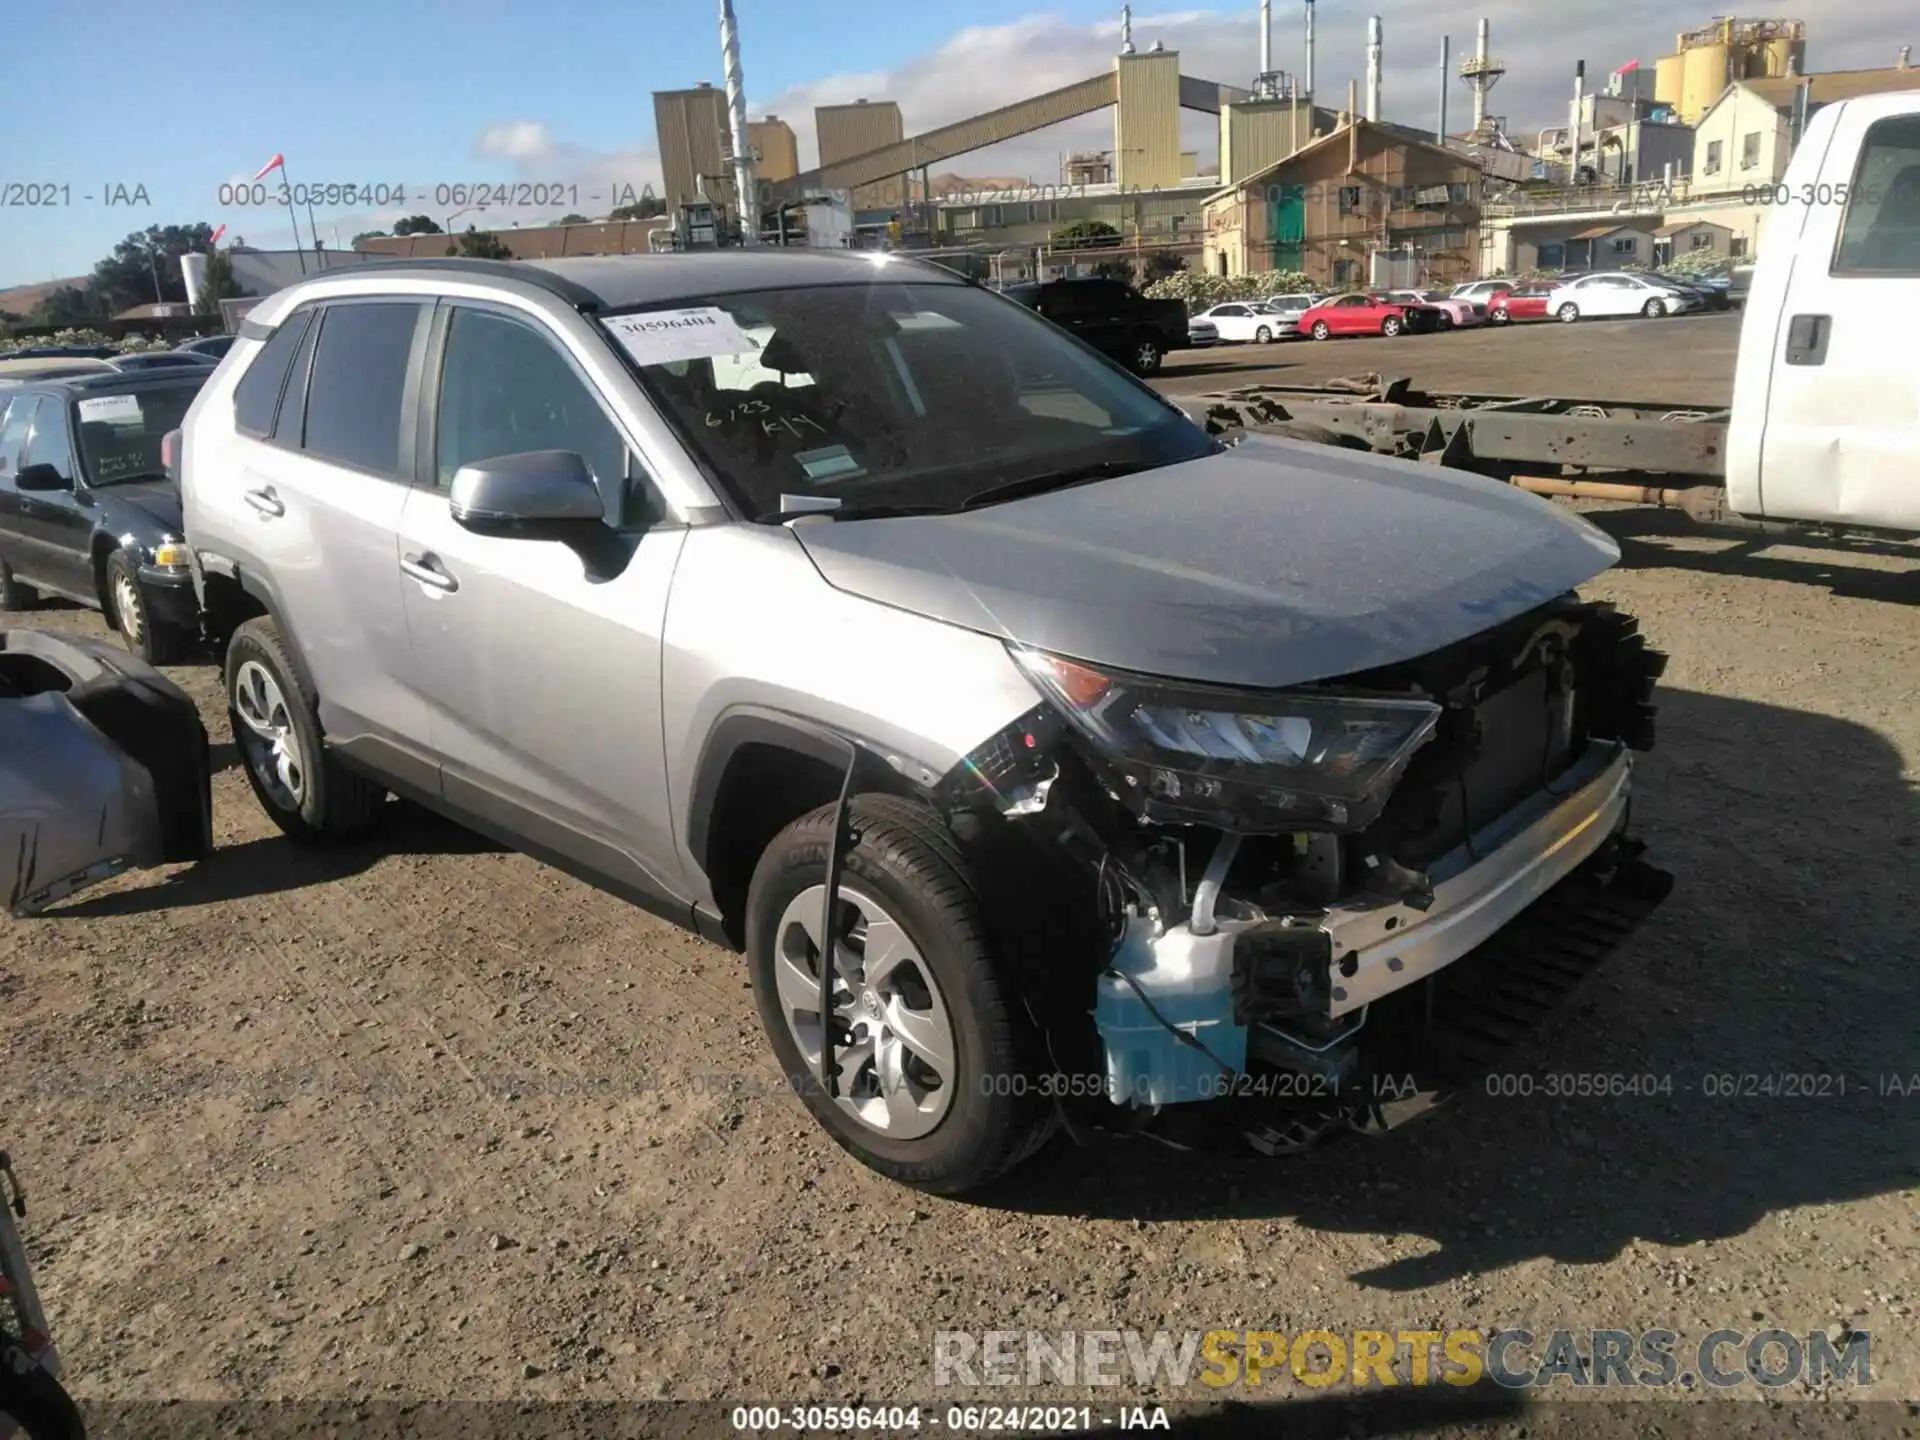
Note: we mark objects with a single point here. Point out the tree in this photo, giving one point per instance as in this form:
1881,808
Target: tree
645,208
127,277
69,305
1085,234
220,284
480,245
573,218
1161,263
368,235
417,225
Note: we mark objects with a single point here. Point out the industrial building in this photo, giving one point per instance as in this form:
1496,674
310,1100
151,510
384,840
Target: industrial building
776,150
692,128
844,131
1707,60
1368,204
1748,133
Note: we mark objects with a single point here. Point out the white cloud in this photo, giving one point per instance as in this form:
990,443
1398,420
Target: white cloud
522,140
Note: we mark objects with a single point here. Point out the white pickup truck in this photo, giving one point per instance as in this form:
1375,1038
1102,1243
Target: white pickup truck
1824,429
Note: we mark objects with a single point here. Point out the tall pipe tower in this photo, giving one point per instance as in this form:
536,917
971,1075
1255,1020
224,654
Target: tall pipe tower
746,199
1482,73
1373,68
1309,49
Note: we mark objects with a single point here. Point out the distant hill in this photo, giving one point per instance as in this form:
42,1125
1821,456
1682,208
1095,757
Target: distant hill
20,299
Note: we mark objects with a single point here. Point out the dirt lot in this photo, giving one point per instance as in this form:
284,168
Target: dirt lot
424,1120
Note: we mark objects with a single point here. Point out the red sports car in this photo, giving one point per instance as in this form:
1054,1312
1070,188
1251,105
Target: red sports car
1366,314
1529,302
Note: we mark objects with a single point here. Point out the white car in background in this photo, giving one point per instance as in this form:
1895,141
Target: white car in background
1484,292
1289,309
1455,311
1247,320
1201,333
1617,293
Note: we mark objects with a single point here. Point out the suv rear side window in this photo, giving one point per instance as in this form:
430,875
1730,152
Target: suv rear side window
13,430
358,384
1882,231
257,395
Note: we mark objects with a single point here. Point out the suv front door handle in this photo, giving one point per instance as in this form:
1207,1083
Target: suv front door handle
266,502
428,571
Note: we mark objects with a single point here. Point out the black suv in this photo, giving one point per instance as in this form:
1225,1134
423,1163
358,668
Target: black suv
87,509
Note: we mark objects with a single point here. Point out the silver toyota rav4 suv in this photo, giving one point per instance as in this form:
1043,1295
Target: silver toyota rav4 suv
862,621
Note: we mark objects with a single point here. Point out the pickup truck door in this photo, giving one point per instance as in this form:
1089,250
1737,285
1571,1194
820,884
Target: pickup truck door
1841,437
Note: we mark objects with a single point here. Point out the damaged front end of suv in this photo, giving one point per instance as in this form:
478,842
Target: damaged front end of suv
1335,902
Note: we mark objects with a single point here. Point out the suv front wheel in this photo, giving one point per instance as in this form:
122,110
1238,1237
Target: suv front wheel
305,790
932,1045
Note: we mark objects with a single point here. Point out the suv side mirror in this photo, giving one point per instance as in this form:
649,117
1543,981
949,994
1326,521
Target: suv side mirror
539,495
41,477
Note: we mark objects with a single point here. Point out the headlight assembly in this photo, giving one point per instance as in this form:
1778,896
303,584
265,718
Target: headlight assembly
1240,759
170,555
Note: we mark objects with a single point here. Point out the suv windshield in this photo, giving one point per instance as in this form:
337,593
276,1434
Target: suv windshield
120,435
891,395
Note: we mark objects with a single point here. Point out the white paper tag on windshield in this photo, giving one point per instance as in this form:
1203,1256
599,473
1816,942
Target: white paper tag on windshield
110,407
660,336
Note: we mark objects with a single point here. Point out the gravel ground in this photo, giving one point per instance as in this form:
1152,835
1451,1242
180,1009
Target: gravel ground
423,1120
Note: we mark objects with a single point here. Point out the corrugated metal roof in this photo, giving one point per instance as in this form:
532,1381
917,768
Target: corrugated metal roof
1678,225
1778,90
1600,232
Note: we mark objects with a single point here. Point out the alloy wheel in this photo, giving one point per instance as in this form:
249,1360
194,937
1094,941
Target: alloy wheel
126,608
268,740
893,1038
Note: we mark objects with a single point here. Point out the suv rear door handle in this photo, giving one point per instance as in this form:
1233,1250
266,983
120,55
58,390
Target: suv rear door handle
428,571
266,502
1807,339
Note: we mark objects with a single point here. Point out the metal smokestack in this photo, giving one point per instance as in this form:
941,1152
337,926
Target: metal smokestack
1310,90
1573,130
746,199
1266,37
1373,68
1480,91
1446,57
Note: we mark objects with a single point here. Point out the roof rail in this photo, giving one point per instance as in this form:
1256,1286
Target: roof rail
578,296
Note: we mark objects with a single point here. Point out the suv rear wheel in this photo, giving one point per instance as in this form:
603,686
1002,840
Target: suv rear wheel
304,789
931,1042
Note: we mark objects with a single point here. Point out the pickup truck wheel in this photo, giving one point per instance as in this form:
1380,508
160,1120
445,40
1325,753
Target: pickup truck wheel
1145,354
152,640
1569,312
1262,336
932,1044
1390,326
304,789
1321,330
1654,309
14,595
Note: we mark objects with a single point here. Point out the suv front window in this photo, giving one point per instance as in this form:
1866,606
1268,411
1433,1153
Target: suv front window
120,435
893,395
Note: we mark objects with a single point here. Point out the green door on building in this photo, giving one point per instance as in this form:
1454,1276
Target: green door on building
1287,224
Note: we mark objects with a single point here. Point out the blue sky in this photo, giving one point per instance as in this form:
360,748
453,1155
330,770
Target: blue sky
181,98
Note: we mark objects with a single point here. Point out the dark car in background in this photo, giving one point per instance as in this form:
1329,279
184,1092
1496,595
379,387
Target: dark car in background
1113,318
212,346
146,360
88,511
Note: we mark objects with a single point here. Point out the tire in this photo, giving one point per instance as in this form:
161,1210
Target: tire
1322,330
1443,321
14,595
302,786
1143,356
1497,317
907,867
1263,336
152,640
34,1400
1654,309
1391,326
1569,312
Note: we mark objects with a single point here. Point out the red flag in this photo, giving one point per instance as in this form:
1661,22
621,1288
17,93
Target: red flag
216,237
1625,69
276,163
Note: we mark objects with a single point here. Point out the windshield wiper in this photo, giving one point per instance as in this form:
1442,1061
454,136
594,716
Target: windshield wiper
134,479
855,512
1048,480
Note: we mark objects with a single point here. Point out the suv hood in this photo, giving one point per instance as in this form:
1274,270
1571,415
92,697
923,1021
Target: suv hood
1273,563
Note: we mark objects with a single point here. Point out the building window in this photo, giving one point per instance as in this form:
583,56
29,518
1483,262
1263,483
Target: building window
1551,256
1702,240
1750,150
1346,272
1349,199
1737,247
1456,194
1625,245
1712,167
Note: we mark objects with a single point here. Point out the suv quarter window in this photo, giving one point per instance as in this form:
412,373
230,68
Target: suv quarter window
506,388
14,429
257,397
49,444
357,385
